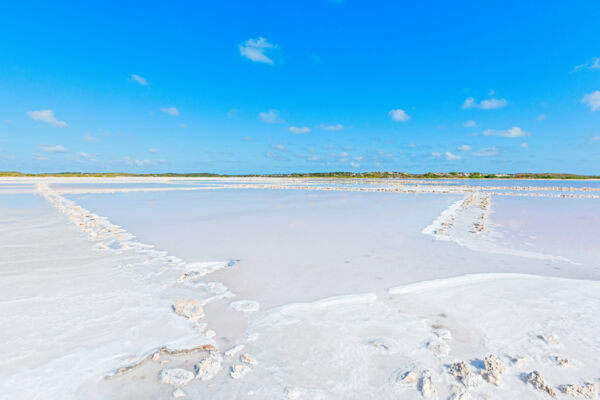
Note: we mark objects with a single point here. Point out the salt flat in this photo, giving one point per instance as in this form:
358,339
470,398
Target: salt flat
324,288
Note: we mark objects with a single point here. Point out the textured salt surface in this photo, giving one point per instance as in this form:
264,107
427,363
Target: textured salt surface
292,248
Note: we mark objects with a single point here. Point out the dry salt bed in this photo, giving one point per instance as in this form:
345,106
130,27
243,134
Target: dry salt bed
302,289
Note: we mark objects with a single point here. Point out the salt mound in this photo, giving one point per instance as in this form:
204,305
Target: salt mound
426,386
536,379
586,391
188,308
176,376
245,306
209,366
493,369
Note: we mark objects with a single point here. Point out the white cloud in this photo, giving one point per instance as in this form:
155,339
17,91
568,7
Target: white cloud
90,139
170,110
399,115
256,49
336,127
138,79
46,116
153,150
354,165
465,147
470,124
299,130
524,145
452,157
541,117
486,152
280,147
270,117
593,64
83,154
592,100
53,149
513,132
139,163
275,156
486,104
596,138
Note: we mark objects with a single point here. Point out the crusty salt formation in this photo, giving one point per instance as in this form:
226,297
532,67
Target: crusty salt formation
188,308
176,376
245,358
426,386
562,361
461,371
209,366
493,369
536,379
585,391
239,370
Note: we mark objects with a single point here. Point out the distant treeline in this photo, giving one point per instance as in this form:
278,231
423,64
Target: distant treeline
428,175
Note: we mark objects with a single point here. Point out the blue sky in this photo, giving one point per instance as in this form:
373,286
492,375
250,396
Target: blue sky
297,86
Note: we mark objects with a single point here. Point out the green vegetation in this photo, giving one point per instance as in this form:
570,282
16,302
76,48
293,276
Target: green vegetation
362,175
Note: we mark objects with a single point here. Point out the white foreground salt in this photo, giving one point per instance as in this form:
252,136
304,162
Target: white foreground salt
303,293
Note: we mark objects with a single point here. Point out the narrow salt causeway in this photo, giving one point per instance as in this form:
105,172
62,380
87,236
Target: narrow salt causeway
298,289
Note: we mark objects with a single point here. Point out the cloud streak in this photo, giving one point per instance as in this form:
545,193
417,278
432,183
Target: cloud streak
170,110
48,117
134,78
513,132
299,130
592,100
399,115
53,149
270,117
256,50
486,104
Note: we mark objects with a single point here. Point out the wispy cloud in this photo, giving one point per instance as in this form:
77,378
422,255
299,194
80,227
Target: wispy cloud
452,157
592,100
486,152
153,151
436,154
513,132
170,110
464,147
182,125
256,50
89,139
280,147
134,78
8,121
53,149
593,64
336,127
142,163
486,104
298,130
275,156
470,124
232,113
46,116
524,145
270,117
399,115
